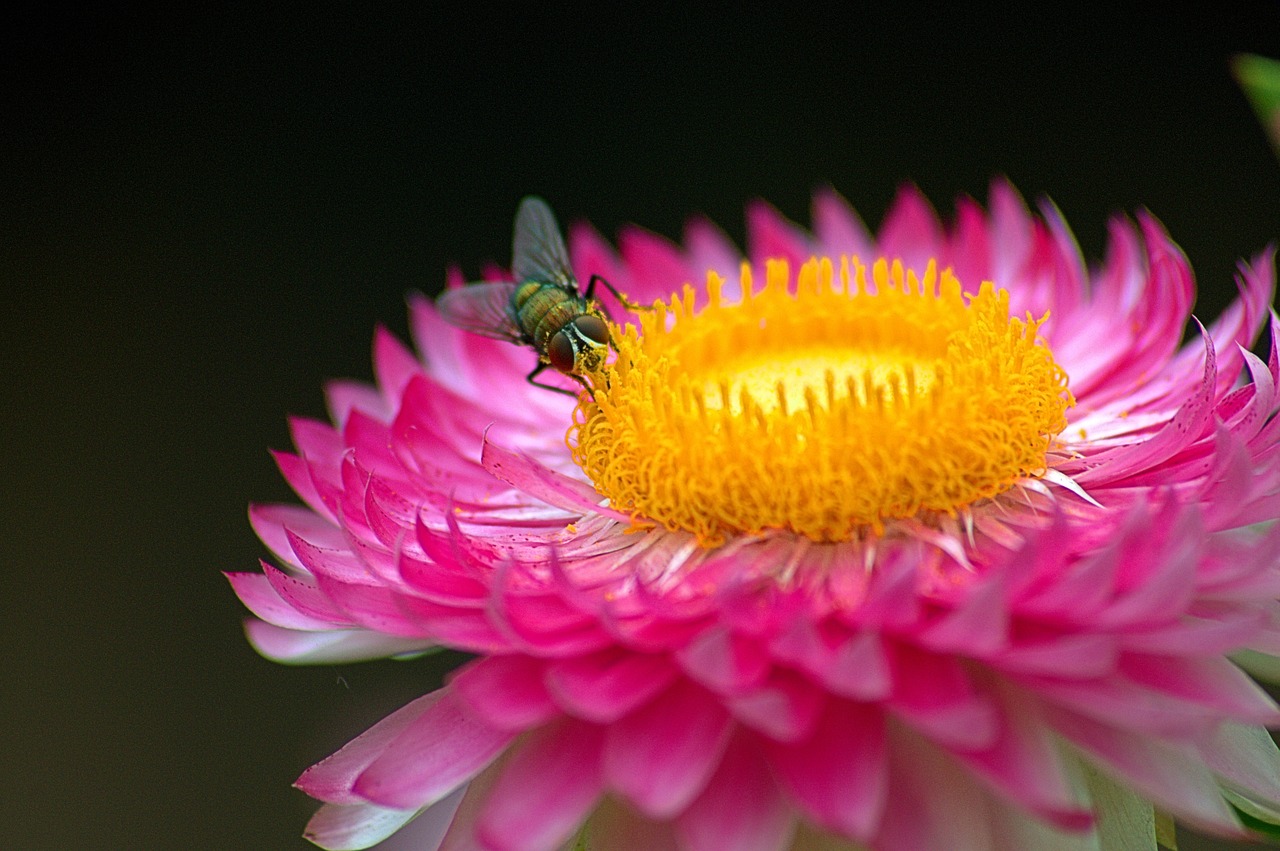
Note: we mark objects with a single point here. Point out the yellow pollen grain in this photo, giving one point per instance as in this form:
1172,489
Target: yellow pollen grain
827,410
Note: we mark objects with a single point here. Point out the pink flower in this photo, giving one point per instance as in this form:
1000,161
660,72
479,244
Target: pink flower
899,558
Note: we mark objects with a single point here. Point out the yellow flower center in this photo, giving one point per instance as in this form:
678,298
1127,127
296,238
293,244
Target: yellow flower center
828,411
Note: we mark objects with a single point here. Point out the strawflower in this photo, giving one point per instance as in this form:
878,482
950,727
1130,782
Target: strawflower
940,539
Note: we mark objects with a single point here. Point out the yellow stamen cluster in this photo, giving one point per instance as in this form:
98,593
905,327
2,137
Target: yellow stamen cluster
828,410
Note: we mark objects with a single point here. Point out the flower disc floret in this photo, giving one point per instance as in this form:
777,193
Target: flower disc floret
827,409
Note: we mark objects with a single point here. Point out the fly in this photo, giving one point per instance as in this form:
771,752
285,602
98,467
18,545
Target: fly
543,306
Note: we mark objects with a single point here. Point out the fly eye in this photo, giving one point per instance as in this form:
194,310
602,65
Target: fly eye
593,328
561,353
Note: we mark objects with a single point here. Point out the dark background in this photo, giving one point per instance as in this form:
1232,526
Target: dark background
203,215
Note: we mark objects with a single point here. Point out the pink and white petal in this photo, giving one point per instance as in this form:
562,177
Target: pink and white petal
838,229
1025,764
272,524
302,592
1211,682
741,808
438,751
1172,776
461,835
343,396
328,647
708,249
319,494
660,756
1246,760
346,827
334,777
545,789
931,802
258,595
1121,703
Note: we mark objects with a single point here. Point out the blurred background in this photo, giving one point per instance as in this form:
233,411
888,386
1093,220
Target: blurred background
205,213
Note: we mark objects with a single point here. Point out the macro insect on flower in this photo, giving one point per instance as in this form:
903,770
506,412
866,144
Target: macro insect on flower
936,538
541,307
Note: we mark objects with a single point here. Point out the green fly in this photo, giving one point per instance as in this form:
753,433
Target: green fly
543,306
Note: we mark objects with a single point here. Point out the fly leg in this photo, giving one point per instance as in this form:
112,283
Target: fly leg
623,300
578,378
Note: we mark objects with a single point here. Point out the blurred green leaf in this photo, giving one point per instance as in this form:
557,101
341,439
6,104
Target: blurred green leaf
1260,79
1257,825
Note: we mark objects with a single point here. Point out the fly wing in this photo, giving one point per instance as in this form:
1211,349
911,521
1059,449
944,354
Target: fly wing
537,250
482,308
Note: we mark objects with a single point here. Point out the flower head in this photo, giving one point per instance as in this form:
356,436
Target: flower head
933,539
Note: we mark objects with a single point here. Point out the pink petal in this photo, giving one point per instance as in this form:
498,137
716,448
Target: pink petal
304,595
505,692
1121,703
661,755
740,810
929,803
911,231
837,227
655,260
724,661
838,775
394,364
592,255
784,708
527,475
1068,656
441,749
770,236
936,696
1187,424
979,624
320,496
545,789
710,250
861,669
603,687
